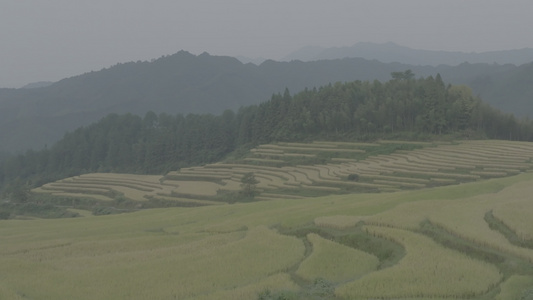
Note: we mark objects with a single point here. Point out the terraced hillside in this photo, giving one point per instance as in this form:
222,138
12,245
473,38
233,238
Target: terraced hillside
467,241
296,170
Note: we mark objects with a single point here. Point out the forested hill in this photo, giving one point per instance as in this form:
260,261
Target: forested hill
400,108
186,83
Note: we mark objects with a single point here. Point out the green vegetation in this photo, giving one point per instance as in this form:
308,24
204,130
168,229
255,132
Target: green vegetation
276,249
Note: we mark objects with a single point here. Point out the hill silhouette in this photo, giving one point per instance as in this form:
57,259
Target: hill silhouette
185,83
391,52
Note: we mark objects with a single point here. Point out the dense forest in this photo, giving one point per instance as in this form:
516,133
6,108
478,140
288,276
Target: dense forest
402,108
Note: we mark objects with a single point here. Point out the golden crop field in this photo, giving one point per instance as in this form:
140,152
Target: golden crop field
427,270
241,250
427,166
432,202
335,262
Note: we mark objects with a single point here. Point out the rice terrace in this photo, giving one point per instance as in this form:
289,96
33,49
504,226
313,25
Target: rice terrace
330,220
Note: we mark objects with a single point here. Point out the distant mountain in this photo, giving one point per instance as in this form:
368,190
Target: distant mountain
391,52
185,83
308,53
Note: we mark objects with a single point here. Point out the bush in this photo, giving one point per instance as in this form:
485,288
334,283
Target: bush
353,177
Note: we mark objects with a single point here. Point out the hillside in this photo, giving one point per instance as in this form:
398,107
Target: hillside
298,170
184,83
469,241
391,52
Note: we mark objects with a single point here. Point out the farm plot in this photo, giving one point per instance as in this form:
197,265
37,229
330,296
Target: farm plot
141,188
239,251
348,167
286,152
133,187
335,262
466,219
432,165
427,270
516,212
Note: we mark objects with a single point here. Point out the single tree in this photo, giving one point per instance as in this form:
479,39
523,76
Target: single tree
248,185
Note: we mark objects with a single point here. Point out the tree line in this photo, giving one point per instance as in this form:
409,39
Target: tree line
403,107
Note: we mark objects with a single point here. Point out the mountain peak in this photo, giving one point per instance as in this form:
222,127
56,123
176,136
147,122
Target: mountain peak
391,52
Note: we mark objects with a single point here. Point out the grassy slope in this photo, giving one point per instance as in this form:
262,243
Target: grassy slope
210,252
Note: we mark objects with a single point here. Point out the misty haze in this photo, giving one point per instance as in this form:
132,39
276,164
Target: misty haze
266,150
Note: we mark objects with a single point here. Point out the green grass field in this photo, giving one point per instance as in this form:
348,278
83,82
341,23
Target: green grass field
450,231
239,251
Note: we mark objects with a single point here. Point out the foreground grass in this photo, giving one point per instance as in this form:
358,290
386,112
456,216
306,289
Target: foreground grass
237,251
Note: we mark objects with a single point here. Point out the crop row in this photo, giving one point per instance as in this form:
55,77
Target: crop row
428,270
432,165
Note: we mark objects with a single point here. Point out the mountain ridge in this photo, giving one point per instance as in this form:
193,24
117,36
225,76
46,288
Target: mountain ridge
391,52
186,83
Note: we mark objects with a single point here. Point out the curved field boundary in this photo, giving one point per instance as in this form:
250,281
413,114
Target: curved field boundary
65,186
77,195
400,183
187,200
436,161
515,213
335,262
265,160
281,196
266,150
347,144
116,182
111,183
300,177
136,179
341,160
109,193
397,178
317,174
504,170
446,161
308,145
338,221
312,149
489,173
427,270
477,159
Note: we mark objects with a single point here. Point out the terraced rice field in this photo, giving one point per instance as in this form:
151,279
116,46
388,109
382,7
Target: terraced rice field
430,165
335,262
282,246
141,188
427,270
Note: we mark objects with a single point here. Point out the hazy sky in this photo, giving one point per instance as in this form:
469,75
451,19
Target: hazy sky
47,40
